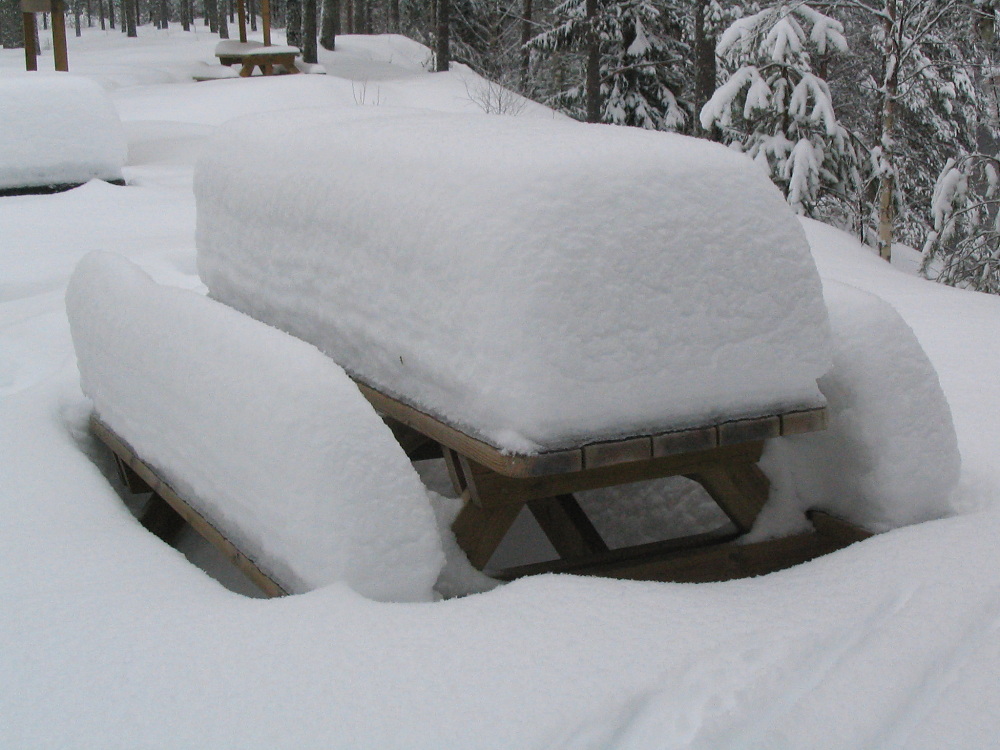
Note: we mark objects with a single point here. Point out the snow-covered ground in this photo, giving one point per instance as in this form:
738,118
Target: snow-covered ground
108,638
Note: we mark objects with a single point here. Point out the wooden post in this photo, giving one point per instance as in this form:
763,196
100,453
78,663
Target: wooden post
30,53
241,12
59,36
265,17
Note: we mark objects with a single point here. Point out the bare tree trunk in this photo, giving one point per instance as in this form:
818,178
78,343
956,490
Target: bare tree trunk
309,51
100,14
442,47
212,14
593,79
348,16
76,18
331,24
394,17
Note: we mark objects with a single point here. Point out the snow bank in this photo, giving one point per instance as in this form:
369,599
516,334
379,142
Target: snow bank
57,129
273,440
890,455
537,283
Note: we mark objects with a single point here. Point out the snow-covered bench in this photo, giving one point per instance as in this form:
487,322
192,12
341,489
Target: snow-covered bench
56,132
559,306
258,440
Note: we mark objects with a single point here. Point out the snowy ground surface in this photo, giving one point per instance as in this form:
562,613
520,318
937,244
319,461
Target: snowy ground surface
108,638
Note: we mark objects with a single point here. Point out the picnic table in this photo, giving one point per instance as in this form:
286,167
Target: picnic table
722,457
268,59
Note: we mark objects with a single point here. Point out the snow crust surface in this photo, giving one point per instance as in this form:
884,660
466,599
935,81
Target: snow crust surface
57,129
538,283
266,436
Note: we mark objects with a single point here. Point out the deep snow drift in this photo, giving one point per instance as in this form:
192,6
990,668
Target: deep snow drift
540,283
107,635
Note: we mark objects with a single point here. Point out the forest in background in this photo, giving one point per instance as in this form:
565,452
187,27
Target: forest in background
877,116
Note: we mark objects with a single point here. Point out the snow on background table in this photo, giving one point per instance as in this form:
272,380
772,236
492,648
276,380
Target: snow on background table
108,635
56,130
265,436
538,283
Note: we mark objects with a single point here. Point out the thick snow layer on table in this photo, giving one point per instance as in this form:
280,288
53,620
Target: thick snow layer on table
890,455
57,129
538,283
267,437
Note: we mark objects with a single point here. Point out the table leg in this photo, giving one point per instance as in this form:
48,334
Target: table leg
479,531
567,526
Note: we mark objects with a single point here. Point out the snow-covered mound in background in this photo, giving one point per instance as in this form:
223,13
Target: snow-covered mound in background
536,282
890,455
269,438
57,129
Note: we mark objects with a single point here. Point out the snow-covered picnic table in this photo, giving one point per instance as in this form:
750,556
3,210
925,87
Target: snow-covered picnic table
560,307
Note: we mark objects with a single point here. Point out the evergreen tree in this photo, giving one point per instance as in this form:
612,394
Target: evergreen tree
775,107
641,58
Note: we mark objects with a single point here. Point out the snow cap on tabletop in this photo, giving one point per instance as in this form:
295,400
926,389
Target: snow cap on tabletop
537,283
57,129
266,436
890,455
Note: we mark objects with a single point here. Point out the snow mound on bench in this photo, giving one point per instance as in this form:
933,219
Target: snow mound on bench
536,283
890,455
268,438
57,129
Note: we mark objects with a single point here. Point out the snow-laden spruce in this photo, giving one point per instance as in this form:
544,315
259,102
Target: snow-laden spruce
57,130
890,456
267,438
539,283
774,107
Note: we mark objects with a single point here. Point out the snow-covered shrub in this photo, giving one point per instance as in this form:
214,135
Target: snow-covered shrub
57,130
269,439
964,247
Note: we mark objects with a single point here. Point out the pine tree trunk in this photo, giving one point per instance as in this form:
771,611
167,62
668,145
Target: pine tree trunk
309,32
11,24
443,35
394,17
527,31
211,15
76,18
164,15
593,76
223,20
293,22
887,166
331,24
705,70
129,8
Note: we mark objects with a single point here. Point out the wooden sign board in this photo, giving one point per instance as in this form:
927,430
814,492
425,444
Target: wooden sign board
36,6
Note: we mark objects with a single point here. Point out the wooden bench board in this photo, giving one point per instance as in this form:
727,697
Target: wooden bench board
599,453
154,483
712,556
